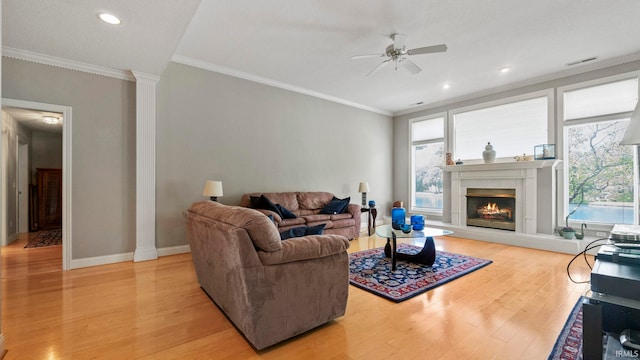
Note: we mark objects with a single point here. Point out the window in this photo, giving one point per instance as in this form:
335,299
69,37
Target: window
513,128
427,155
602,175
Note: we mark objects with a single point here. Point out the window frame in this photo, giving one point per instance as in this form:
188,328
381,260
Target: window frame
433,214
562,127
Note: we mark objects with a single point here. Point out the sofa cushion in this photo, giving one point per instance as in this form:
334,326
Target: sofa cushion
293,232
343,223
286,199
328,223
313,200
315,218
290,222
336,206
342,216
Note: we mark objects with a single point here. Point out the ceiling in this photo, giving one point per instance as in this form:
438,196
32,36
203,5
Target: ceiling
306,45
32,119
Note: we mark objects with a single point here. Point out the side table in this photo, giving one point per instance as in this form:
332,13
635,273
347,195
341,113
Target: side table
372,213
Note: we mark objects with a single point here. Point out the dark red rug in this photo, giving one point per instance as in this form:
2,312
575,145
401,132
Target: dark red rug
44,238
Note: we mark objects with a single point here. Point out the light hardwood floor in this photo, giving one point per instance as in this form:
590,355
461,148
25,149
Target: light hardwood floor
511,309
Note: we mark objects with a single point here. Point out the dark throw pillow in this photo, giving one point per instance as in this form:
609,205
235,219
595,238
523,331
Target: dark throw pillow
293,232
286,214
314,230
336,206
263,202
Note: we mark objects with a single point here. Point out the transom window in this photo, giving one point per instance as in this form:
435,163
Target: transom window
513,128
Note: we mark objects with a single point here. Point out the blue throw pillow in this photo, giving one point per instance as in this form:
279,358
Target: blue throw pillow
263,202
293,232
286,214
315,230
336,206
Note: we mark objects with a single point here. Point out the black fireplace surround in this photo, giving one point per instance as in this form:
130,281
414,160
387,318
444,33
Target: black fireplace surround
491,208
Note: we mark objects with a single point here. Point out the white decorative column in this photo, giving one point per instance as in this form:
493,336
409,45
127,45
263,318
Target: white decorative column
145,167
2,341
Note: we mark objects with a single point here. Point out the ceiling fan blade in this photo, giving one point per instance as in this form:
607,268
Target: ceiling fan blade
428,49
356,57
399,40
379,67
411,66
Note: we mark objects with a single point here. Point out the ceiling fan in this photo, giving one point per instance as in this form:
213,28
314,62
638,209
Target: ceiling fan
397,53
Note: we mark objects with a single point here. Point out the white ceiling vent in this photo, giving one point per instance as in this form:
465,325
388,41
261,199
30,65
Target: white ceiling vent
582,61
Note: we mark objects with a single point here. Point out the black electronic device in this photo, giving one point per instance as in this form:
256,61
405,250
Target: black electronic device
616,279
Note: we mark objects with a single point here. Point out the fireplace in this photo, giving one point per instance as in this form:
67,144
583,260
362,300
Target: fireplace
492,208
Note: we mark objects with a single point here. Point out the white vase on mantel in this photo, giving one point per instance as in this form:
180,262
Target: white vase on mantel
489,155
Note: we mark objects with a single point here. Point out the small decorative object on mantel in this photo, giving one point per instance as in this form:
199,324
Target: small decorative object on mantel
489,155
449,160
544,151
459,162
524,157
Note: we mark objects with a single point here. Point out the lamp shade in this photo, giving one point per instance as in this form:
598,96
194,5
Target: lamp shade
364,187
632,134
212,188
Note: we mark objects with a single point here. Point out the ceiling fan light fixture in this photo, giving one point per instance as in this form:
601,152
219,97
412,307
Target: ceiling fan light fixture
109,18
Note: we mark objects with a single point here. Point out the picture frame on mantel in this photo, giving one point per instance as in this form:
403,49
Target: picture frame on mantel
544,152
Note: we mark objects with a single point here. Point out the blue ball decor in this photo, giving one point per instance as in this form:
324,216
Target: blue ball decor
372,203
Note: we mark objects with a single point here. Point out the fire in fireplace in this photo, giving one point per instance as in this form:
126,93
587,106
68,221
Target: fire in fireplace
492,208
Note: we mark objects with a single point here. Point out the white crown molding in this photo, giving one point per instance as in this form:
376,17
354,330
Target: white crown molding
262,80
34,57
533,81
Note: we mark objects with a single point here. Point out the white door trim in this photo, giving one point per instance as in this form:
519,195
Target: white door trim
66,168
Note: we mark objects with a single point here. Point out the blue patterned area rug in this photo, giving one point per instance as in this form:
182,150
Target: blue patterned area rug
371,271
569,343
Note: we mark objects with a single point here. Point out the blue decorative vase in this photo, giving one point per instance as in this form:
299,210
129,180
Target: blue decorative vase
397,217
417,221
372,203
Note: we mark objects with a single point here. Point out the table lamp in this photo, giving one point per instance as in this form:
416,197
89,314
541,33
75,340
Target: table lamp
364,189
213,189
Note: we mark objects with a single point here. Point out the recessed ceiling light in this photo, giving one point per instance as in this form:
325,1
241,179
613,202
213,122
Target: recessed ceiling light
505,70
446,86
50,120
109,18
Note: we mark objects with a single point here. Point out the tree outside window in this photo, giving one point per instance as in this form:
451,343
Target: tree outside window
601,173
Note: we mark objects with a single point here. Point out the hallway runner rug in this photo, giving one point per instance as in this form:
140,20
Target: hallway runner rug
370,270
569,342
44,238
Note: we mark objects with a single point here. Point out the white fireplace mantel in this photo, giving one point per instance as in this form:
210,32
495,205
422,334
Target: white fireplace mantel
519,175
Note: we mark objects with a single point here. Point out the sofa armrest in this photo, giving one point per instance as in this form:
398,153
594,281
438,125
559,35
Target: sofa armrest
305,248
354,210
275,215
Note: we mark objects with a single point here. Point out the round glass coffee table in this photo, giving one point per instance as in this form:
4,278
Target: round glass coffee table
426,256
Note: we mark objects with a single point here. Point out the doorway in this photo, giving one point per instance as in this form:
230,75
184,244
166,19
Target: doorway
25,157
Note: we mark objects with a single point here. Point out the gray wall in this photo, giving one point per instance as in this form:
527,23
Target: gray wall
254,137
103,156
401,143
46,151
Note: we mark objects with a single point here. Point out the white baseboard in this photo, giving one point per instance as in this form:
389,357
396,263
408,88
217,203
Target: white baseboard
174,250
101,260
116,258
11,238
